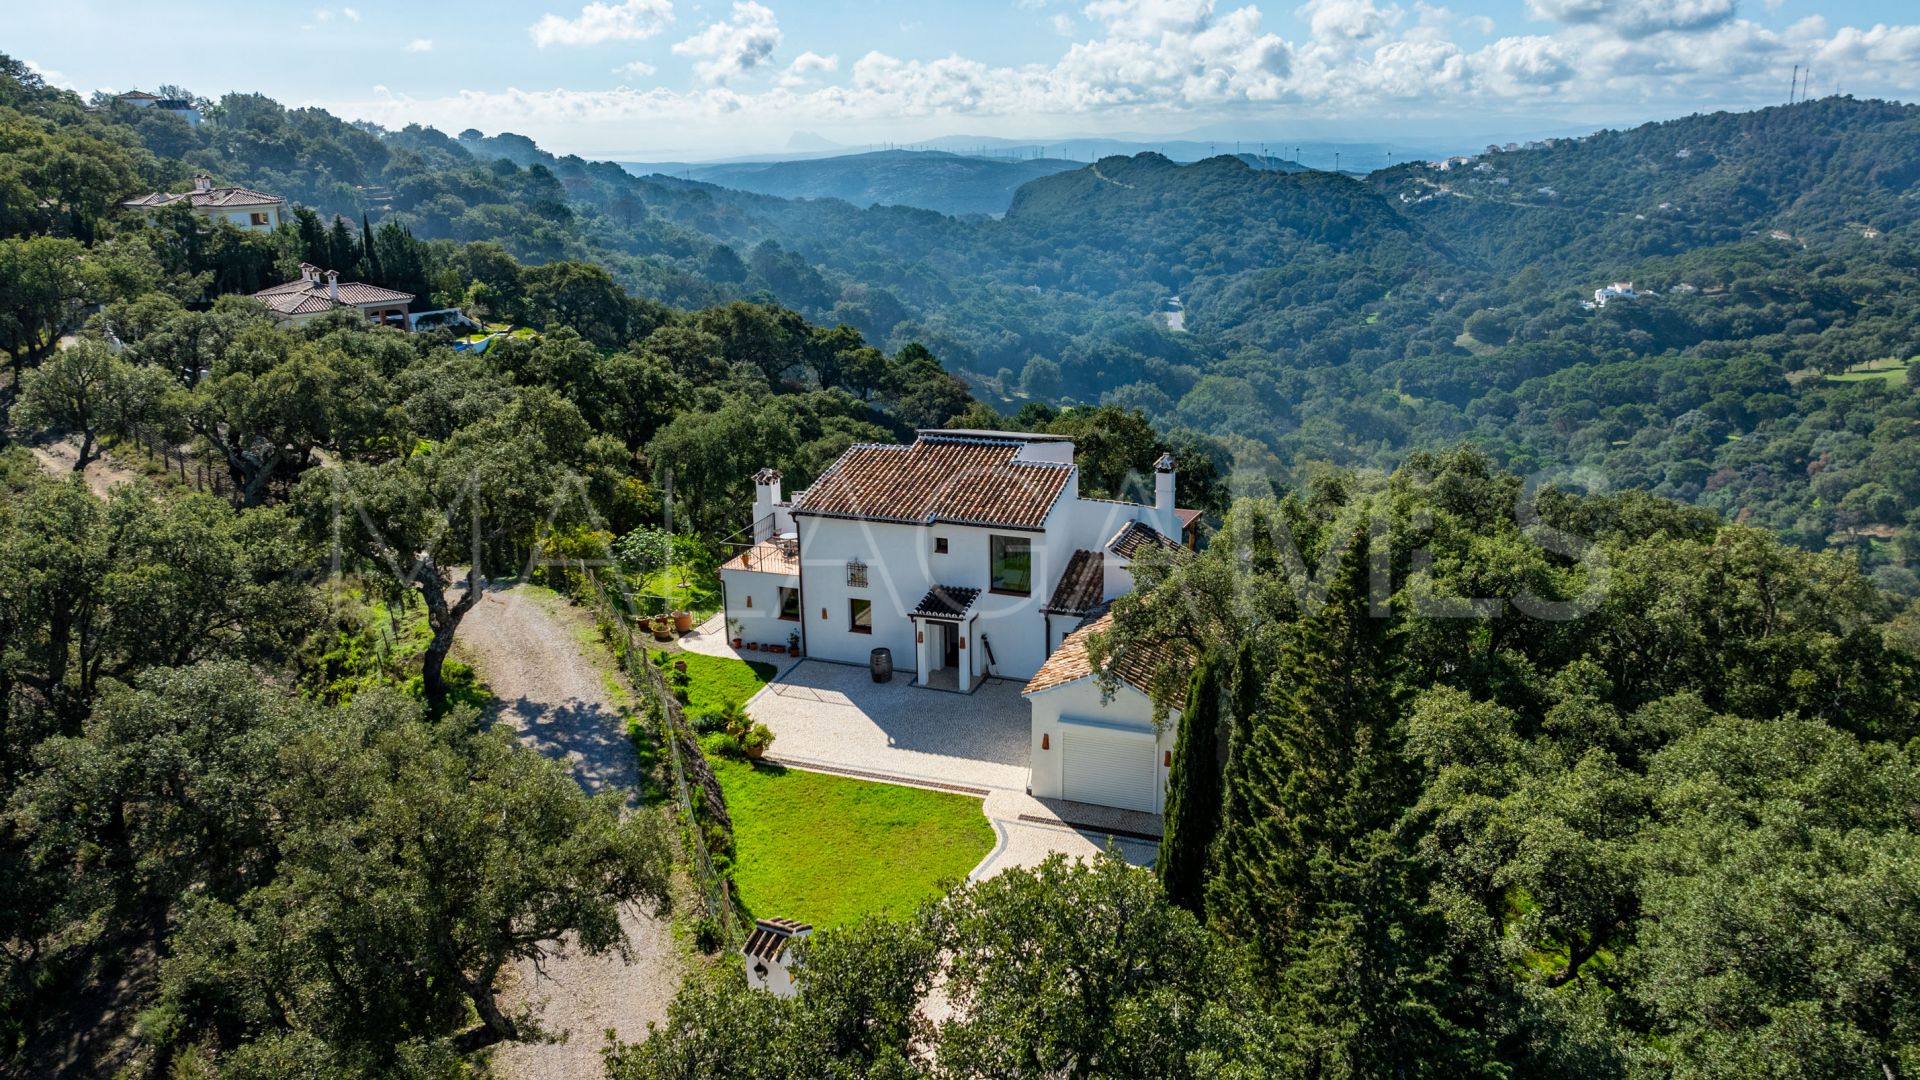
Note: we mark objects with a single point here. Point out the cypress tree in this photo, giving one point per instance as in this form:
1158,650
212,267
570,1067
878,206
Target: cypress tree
1312,771
1193,792
369,256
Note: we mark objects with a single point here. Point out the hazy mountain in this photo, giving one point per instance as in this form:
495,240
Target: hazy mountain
928,179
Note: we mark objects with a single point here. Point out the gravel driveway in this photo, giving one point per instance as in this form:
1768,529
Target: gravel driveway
525,647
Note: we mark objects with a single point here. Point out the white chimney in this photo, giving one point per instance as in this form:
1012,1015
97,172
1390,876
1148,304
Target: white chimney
1164,518
766,496
203,182
333,284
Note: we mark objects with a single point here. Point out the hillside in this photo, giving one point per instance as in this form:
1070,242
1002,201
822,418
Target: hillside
928,179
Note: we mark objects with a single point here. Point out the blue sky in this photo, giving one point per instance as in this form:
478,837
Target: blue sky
699,78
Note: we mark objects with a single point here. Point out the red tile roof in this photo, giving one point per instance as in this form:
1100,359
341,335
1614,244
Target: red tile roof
305,297
1135,666
770,937
958,480
212,199
1081,585
1137,535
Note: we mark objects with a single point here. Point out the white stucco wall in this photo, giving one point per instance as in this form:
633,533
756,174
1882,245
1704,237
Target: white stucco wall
1058,711
759,622
242,218
901,568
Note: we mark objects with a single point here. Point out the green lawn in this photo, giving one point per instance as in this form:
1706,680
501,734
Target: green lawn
714,681
829,849
1892,370
701,595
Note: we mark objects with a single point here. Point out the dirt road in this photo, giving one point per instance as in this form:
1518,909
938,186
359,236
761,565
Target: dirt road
526,646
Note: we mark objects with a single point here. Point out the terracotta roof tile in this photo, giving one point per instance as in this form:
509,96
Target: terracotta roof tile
1081,585
959,480
1137,535
215,198
1135,666
946,601
305,297
770,937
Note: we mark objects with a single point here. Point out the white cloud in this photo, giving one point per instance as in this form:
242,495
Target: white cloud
1637,16
1152,64
740,44
57,79
419,45
630,20
350,14
1063,24
637,68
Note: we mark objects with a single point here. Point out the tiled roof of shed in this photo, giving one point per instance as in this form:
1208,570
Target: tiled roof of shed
1135,666
770,937
1080,586
959,480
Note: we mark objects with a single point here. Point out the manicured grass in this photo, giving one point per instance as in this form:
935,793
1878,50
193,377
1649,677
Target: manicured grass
701,595
713,681
1893,371
829,849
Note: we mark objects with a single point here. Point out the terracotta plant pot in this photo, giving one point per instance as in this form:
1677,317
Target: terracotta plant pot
751,647
777,650
682,621
736,643
757,753
680,666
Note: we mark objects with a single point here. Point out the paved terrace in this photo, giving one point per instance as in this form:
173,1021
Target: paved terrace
835,718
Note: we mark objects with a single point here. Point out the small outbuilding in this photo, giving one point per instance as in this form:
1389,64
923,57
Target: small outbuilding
1089,747
769,955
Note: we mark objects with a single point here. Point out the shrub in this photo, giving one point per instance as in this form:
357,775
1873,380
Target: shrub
756,739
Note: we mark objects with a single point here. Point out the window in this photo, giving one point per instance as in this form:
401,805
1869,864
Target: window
259,218
790,603
1011,565
939,545
856,573
860,616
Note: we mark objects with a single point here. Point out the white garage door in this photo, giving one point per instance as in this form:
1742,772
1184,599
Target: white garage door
1109,771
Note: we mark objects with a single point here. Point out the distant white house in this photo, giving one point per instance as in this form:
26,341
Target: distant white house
320,291
769,955
966,554
1619,290
244,208
1093,748
180,107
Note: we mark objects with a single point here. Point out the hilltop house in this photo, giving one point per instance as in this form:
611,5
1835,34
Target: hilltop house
320,291
180,107
967,554
244,208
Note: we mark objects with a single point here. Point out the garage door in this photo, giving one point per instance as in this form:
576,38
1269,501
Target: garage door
1109,771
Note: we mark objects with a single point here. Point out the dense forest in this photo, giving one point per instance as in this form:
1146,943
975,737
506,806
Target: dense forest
1584,749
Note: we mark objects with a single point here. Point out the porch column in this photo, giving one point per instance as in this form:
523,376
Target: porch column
922,657
967,648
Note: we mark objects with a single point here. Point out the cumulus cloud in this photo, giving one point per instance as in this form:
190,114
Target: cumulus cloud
1147,60
1637,16
735,46
637,68
420,44
57,79
630,20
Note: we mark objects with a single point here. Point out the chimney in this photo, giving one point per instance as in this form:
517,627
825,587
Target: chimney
333,284
1164,518
766,495
203,182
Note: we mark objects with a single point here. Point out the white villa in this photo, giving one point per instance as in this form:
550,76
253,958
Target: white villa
1091,748
244,208
966,554
320,291
180,107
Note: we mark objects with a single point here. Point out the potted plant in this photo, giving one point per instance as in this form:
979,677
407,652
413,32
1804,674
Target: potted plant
733,627
777,650
682,621
755,741
735,719
663,629
793,643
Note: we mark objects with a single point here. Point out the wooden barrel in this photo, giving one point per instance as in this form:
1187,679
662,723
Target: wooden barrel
880,661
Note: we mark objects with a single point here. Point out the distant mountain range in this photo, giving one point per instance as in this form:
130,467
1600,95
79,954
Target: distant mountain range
928,179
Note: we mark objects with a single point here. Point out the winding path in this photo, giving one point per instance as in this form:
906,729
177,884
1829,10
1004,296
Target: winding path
526,646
